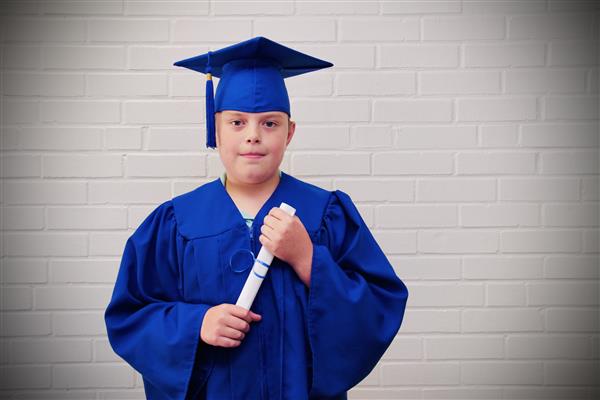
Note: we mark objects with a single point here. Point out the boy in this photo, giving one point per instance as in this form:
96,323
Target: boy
329,306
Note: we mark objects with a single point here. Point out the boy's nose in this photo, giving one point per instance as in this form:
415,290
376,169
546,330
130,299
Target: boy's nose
253,135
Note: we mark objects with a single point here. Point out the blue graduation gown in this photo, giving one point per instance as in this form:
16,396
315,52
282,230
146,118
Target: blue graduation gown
312,343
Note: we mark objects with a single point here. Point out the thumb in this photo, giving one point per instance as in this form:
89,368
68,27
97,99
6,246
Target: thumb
256,316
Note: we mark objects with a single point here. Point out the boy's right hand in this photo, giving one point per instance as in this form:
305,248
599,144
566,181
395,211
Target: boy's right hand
226,325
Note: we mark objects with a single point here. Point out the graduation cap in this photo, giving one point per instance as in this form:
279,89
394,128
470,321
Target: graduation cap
251,77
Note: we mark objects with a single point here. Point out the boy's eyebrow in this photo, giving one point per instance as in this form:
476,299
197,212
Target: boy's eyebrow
237,114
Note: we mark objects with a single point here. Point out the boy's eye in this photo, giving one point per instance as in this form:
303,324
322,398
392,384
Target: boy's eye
234,122
273,124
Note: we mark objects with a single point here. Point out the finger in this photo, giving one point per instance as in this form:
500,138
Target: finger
279,214
239,323
226,342
231,333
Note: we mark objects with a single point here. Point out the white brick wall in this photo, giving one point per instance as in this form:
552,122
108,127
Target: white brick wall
465,131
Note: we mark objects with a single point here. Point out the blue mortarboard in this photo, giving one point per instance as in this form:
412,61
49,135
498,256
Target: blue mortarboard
251,77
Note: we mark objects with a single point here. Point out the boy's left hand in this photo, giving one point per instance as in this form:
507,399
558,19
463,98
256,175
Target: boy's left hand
287,239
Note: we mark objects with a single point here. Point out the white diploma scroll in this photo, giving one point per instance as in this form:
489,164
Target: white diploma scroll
259,270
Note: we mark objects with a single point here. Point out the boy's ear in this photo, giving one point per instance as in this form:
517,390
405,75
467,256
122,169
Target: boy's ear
291,130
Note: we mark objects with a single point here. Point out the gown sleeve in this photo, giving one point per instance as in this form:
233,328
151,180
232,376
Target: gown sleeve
148,324
356,302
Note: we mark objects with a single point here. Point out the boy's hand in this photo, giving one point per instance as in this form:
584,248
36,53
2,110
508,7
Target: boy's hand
226,325
287,239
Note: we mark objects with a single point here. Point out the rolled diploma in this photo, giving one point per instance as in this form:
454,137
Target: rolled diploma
259,270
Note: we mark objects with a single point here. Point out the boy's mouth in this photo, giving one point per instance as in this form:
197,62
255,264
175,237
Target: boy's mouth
252,155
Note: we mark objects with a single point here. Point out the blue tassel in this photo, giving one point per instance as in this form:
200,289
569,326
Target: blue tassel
211,140
210,113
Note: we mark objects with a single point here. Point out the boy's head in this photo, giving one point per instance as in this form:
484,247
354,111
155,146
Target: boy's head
251,76
252,145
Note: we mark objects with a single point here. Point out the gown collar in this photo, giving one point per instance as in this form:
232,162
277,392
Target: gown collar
209,209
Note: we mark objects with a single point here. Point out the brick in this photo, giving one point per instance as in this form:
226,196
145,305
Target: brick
591,241
563,293
16,270
413,110
84,57
459,82
426,268
64,138
331,164
222,30
16,298
505,294
495,163
84,166
125,192
136,84
540,241
427,137
108,244
504,55
75,323
128,30
52,351
571,373
506,267
21,166
419,7
386,189
404,348
253,8
572,320
163,112
334,110
571,53
185,8
21,56
456,189
560,135
84,271
497,109
44,192
421,321
502,320
335,7
570,107
412,163
550,26
547,347
467,347
506,373
493,215
71,298
20,112
396,242
45,244
123,138
570,215
457,242
538,189
415,216
25,324
430,373
166,139
501,7
545,81
103,351
88,111
571,267
446,294
365,137
379,84
418,55
44,30
381,29
481,27
590,189
462,393
87,218
35,84
98,376
342,55
22,218
298,29
25,377
71,7
159,57
165,166
575,162
499,135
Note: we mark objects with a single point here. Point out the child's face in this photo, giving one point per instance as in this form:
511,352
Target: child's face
239,134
